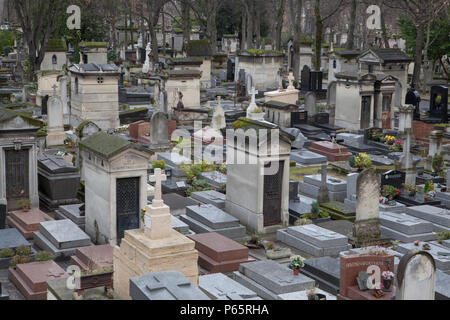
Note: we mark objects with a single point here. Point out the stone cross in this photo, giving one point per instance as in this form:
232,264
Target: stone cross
232,295
324,171
54,89
219,101
291,81
54,273
253,92
172,288
158,178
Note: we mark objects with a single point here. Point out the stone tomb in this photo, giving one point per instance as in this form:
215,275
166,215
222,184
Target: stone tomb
303,295
325,271
58,181
212,197
31,278
208,218
405,228
306,157
27,222
155,249
74,212
440,253
351,265
332,151
166,285
438,216
177,203
93,257
61,237
314,240
337,188
218,286
11,239
270,279
217,253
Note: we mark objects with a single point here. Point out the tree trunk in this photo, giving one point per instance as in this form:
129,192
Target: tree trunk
257,21
426,64
280,21
186,10
154,40
418,55
249,25
164,33
318,40
352,26
383,28
212,32
244,31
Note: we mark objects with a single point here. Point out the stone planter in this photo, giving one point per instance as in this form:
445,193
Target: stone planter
387,283
280,253
91,281
4,262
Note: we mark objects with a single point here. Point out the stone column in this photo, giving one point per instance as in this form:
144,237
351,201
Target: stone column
56,135
434,149
64,99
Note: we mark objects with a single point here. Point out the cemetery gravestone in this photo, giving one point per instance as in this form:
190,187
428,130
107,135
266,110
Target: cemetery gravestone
416,277
55,135
220,287
393,178
405,228
165,285
413,98
159,135
367,224
439,103
27,222
210,197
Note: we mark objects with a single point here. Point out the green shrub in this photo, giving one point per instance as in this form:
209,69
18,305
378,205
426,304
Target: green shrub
43,256
23,251
437,162
442,236
19,260
351,161
429,186
159,164
389,191
6,253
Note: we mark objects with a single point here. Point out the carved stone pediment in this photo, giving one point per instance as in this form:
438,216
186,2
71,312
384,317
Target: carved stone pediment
129,160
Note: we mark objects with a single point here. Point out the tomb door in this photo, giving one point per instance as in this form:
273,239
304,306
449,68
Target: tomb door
386,111
273,185
17,177
127,200
365,112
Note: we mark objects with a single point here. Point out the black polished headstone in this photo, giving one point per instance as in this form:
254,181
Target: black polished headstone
322,118
230,70
439,106
299,117
293,190
306,78
413,97
393,178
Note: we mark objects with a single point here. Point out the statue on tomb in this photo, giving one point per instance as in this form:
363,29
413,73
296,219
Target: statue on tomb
291,81
180,104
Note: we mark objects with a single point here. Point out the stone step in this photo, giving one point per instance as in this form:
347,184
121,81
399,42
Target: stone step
75,260
24,288
13,223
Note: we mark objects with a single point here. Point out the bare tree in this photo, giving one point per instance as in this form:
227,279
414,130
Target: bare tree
206,12
352,26
295,10
37,18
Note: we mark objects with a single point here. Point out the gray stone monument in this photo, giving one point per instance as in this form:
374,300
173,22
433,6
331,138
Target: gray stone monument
166,285
367,224
159,134
416,277
56,135
64,99
323,196
218,119
310,103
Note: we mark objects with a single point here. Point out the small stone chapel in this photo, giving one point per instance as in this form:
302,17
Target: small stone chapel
115,172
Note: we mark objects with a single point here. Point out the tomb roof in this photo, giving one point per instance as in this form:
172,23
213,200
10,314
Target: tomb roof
107,145
184,74
246,124
95,69
199,48
7,114
186,61
386,55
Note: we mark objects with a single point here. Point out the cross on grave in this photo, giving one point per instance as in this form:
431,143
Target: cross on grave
283,280
172,288
54,89
158,178
253,92
233,295
323,171
219,101
54,273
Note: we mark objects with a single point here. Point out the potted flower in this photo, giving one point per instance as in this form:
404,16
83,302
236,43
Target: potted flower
69,143
389,192
389,140
388,278
396,147
297,262
416,243
426,247
377,292
25,204
410,189
360,162
142,215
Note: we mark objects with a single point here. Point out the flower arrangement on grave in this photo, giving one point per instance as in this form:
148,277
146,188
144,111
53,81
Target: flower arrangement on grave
410,189
388,278
429,190
25,204
396,147
360,162
395,244
6,253
390,192
254,242
297,262
43,256
416,243
274,252
389,140
270,245
68,142
22,255
426,247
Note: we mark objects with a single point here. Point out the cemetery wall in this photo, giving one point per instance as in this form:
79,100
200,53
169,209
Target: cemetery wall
262,69
190,89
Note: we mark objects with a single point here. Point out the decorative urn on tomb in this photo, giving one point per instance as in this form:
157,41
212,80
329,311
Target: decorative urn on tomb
388,278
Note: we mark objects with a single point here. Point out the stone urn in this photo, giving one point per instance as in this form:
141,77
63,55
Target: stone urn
387,283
